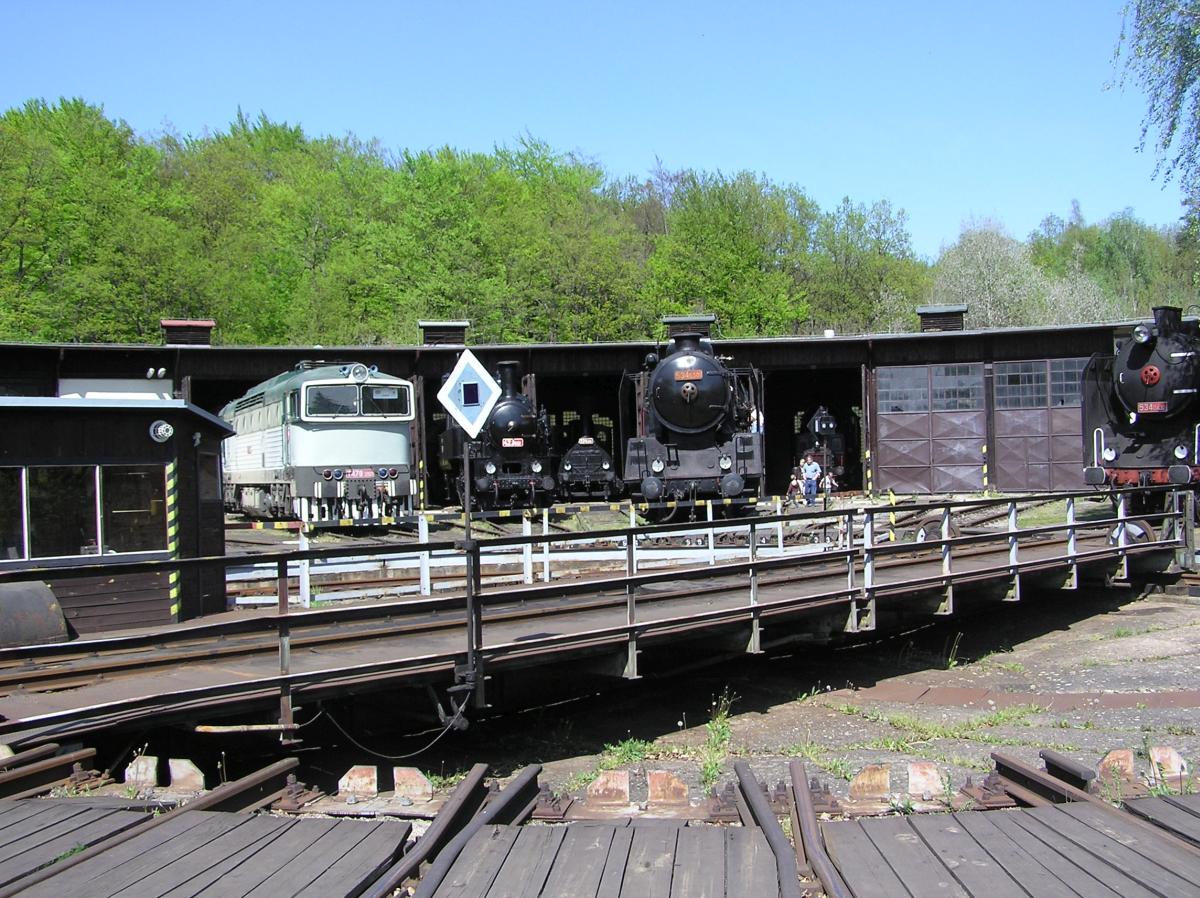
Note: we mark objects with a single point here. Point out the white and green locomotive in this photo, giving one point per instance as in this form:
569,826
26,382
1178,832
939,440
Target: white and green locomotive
324,443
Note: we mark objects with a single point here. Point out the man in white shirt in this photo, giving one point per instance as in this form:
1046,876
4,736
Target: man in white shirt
811,472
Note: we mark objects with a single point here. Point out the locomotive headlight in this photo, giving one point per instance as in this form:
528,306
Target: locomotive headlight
1109,453
327,474
359,373
657,466
1181,452
536,467
490,467
566,466
382,472
726,462
605,465
1142,334
338,474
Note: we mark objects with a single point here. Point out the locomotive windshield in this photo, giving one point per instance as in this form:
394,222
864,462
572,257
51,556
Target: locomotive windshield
385,399
331,399
374,400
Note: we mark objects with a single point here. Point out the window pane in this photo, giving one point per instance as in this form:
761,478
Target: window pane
135,508
903,389
1065,377
957,387
12,541
385,399
331,399
62,511
1021,384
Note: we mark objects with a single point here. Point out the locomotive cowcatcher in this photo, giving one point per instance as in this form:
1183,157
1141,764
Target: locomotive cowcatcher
514,460
698,425
1140,409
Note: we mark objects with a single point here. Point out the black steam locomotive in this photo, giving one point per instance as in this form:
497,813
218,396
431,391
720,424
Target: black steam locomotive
514,458
824,441
1140,409
586,470
698,426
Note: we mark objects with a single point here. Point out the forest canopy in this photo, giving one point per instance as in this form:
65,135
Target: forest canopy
283,238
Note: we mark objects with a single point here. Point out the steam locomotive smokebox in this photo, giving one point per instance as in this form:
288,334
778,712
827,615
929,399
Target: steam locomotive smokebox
32,615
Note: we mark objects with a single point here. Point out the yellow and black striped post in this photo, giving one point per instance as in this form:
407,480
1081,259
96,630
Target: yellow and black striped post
983,449
173,534
891,516
421,484
868,473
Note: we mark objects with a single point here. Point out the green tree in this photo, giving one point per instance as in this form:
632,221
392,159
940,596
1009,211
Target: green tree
1161,42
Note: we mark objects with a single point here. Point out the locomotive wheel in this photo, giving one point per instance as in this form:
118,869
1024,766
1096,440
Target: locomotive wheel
931,528
1137,531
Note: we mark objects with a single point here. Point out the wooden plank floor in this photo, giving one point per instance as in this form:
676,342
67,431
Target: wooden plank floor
207,853
1180,814
1060,851
593,860
36,832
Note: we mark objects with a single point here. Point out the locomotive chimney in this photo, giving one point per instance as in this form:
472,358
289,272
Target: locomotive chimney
1167,319
510,379
687,342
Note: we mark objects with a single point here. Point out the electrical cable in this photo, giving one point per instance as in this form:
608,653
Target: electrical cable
449,726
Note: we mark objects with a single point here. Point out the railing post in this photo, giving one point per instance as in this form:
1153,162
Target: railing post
1187,529
474,619
545,546
1072,546
305,567
712,536
1013,554
285,649
1122,537
947,606
631,665
423,558
848,523
755,646
861,619
527,549
779,524
631,541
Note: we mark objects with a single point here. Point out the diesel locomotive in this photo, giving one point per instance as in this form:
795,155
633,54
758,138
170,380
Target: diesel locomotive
322,443
1141,417
513,462
698,426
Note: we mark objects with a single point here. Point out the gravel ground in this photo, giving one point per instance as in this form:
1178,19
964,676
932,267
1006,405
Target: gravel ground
831,706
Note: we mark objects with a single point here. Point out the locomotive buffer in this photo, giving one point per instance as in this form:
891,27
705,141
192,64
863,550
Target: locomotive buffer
469,395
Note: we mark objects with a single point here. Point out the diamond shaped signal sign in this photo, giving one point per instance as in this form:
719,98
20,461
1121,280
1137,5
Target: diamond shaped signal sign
469,393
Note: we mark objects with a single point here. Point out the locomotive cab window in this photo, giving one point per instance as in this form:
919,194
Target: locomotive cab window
331,400
385,399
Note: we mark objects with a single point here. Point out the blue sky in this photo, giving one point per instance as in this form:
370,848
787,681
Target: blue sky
952,111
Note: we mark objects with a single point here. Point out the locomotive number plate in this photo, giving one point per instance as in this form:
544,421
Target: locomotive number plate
361,474
689,374
587,441
512,442
1147,408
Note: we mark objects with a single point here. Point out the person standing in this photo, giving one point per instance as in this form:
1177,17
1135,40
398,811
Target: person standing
811,472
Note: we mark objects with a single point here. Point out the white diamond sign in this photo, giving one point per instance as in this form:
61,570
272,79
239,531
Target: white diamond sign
469,393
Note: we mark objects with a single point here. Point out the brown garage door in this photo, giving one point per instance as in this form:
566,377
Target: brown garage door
1038,429
931,428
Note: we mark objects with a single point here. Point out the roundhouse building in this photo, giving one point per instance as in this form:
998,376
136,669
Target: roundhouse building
942,410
